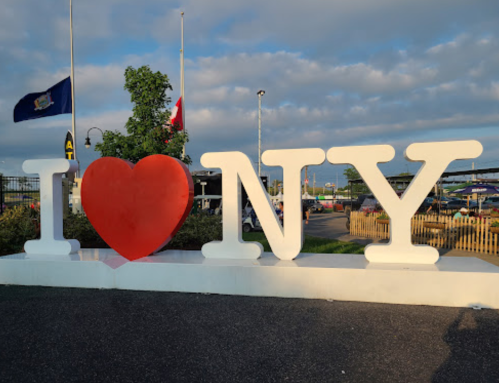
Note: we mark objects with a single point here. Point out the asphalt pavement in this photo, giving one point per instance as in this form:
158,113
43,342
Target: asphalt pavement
333,226
78,335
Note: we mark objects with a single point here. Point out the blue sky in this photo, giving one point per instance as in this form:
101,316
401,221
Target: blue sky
335,73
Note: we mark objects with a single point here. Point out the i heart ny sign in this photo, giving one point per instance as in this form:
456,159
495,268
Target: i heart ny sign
152,199
150,202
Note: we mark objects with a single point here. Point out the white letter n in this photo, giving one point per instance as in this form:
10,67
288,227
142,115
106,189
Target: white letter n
236,167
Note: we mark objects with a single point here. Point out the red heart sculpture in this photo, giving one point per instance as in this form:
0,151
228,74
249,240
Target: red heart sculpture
137,209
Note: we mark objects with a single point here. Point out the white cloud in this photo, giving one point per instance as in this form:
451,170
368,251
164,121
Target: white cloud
335,73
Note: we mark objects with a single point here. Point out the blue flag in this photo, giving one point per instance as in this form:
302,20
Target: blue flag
54,101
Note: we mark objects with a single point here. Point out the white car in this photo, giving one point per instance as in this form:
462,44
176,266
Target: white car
205,201
490,203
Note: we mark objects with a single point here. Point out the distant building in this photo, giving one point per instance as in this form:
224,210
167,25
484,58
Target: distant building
214,183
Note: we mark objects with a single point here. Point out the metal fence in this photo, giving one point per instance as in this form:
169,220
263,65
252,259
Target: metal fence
18,191
24,191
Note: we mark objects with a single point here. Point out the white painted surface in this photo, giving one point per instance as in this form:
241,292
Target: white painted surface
236,168
435,156
453,281
52,240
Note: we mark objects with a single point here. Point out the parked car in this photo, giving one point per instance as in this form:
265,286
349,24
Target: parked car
355,204
491,202
370,205
456,205
445,200
313,206
428,201
210,204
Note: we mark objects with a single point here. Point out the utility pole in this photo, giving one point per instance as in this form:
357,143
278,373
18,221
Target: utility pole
306,180
182,96
73,113
260,93
313,193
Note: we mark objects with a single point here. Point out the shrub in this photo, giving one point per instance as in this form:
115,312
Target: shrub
383,216
77,226
17,225
197,230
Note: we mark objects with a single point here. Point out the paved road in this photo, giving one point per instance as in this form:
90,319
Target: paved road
77,335
333,226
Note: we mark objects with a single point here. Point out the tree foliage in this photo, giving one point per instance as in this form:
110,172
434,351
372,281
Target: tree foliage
352,174
147,134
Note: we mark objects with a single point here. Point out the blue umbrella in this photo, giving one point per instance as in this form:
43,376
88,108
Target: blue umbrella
22,197
479,189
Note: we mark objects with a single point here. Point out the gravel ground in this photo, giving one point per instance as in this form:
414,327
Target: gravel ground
78,335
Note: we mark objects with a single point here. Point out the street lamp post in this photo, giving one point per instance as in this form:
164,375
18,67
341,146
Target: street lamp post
87,140
260,93
203,184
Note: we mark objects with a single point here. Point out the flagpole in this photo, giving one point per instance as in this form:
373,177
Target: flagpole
73,86
182,75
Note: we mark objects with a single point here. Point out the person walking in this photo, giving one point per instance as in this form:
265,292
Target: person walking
305,213
280,214
435,206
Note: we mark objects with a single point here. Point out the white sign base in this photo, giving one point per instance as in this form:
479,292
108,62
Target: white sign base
453,281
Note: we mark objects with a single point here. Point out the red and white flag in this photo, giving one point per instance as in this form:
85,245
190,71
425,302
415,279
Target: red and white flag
176,117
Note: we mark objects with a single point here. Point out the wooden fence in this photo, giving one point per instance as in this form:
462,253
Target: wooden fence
469,234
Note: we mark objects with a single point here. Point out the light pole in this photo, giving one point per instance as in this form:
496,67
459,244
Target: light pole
87,140
203,184
260,93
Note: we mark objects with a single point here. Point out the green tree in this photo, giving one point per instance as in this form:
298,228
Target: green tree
352,174
147,134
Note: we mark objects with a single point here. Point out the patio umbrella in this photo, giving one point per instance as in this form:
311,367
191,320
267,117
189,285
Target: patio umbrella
478,189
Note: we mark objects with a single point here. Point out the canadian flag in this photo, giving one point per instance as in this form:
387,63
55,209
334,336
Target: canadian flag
176,117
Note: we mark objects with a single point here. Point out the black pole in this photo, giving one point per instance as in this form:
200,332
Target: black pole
1,194
351,195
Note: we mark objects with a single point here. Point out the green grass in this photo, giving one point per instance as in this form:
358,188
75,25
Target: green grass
312,244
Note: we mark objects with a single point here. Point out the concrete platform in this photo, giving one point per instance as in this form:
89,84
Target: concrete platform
453,281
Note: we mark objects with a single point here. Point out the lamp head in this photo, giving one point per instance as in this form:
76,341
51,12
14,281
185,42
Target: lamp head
260,92
87,142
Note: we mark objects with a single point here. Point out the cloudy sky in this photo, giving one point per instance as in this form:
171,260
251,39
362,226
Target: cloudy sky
357,72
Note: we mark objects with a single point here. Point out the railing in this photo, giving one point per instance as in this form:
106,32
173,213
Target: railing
15,191
24,191
468,234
